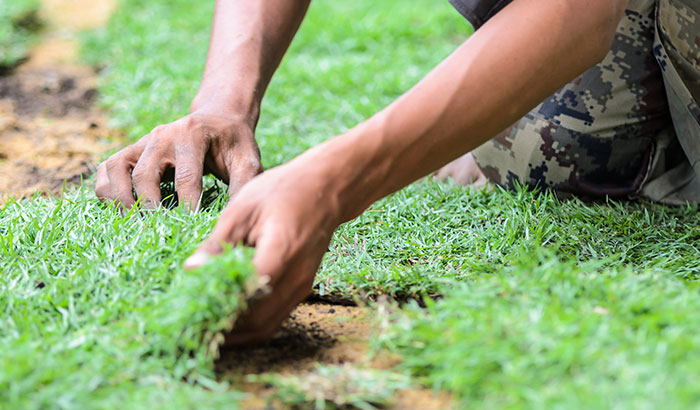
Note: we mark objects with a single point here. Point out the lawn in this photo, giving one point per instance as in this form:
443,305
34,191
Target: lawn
526,300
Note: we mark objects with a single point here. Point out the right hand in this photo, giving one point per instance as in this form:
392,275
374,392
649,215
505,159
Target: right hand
288,214
195,145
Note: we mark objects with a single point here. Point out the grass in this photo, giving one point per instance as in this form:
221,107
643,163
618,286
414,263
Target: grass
433,233
18,26
97,313
543,333
539,302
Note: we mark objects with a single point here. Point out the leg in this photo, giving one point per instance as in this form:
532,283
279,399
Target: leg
594,136
677,49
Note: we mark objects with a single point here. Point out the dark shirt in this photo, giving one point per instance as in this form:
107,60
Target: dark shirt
478,11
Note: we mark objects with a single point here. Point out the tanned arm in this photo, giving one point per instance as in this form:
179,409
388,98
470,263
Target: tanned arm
517,59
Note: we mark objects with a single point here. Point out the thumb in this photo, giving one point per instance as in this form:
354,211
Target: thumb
231,228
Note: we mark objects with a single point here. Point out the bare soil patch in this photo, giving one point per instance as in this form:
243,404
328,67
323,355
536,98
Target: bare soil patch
317,333
78,14
51,133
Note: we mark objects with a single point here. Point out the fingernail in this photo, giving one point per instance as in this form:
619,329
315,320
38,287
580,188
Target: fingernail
196,260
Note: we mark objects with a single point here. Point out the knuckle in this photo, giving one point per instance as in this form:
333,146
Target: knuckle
254,166
184,176
113,162
194,123
158,130
139,175
102,190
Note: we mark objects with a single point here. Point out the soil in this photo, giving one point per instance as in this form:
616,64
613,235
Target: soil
317,333
51,133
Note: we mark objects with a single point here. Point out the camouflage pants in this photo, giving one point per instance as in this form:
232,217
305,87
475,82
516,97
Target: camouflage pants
628,127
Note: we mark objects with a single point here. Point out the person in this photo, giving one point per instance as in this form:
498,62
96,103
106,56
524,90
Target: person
596,98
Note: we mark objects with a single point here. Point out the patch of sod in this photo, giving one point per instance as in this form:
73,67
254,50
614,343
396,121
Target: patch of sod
97,313
543,333
18,25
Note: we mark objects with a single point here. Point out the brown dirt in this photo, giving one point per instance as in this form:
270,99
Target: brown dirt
51,133
77,14
317,333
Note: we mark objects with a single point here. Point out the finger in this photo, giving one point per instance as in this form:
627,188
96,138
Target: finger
189,169
271,252
102,188
232,228
241,171
290,282
119,168
147,175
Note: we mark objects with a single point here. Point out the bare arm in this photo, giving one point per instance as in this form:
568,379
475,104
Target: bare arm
247,43
513,62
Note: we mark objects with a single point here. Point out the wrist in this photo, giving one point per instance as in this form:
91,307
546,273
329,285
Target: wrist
351,170
224,104
248,117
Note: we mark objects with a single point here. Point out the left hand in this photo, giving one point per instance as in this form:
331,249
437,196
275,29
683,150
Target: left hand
289,216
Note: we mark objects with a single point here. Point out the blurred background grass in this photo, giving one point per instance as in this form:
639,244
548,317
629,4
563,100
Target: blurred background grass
18,26
348,61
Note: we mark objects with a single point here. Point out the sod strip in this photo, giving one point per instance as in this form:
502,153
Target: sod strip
152,347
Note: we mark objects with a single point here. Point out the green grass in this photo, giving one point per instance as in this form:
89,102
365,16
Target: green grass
549,334
97,313
433,233
18,24
541,302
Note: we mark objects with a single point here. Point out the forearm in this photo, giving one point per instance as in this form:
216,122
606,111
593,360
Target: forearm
248,41
507,67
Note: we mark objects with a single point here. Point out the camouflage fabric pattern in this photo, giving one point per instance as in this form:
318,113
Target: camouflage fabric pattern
610,132
677,50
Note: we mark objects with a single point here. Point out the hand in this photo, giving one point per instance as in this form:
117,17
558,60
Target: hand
288,216
194,145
